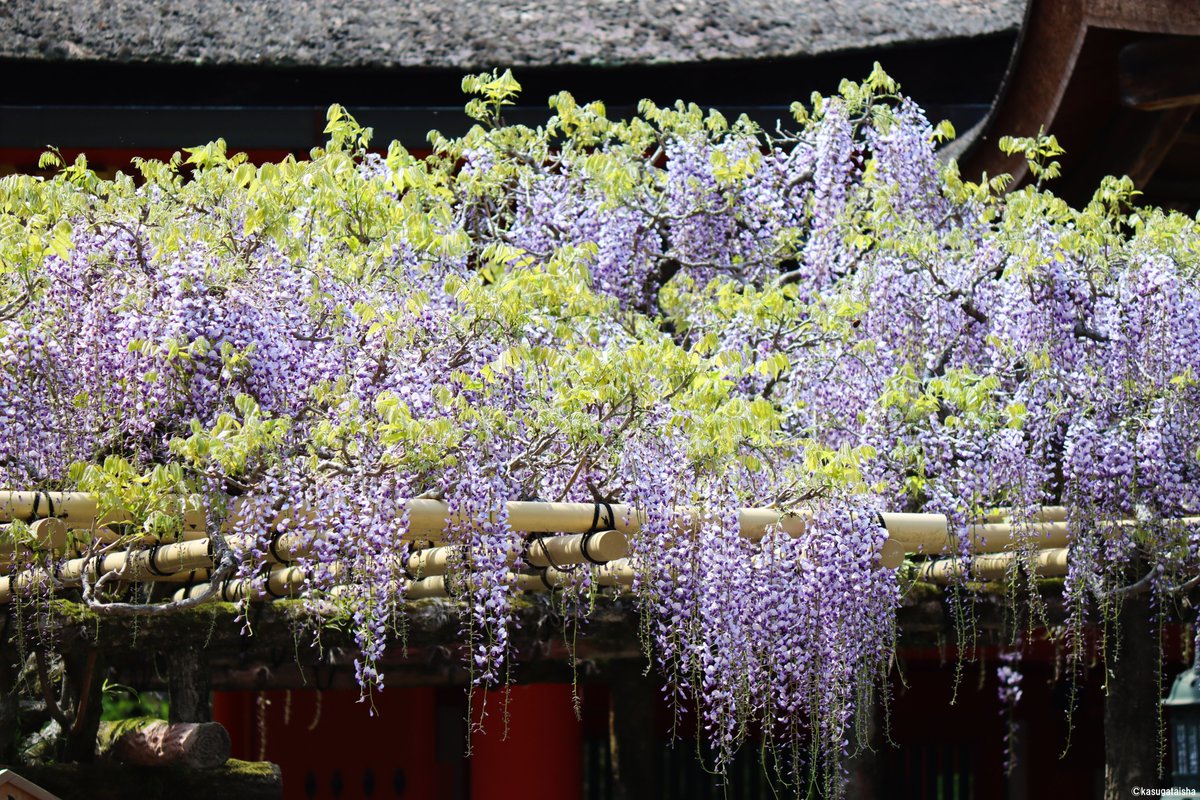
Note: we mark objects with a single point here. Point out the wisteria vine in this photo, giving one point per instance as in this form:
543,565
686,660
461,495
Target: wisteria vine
669,311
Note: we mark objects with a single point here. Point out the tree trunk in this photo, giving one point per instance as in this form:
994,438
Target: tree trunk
632,731
188,690
1131,709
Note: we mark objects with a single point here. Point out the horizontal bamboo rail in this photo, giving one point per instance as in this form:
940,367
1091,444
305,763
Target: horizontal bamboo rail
540,552
924,533
1043,514
428,520
615,573
163,560
588,532
76,509
931,534
155,564
577,548
994,566
287,581
281,582
79,511
43,534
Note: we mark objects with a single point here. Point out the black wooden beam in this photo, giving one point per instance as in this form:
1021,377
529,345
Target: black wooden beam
1160,73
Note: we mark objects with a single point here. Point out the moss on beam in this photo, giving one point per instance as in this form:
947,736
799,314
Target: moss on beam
248,780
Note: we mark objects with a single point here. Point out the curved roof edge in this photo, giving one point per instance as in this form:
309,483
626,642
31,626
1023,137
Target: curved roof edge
467,34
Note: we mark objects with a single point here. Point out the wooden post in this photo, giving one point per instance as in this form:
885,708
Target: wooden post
1131,709
188,686
633,731
84,687
9,701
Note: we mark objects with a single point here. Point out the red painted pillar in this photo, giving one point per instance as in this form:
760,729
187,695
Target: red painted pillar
541,756
235,710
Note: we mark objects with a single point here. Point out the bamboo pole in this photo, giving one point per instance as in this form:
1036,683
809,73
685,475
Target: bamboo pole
437,560
891,554
192,528
619,572
281,582
576,548
541,552
76,509
930,533
615,573
993,566
1042,514
79,512
43,534
430,518
287,581
145,564
927,533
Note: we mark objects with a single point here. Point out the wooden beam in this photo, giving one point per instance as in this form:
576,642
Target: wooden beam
109,781
1063,80
633,701
1158,74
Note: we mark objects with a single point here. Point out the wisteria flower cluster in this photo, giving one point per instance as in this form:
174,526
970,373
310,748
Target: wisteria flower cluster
673,311
1009,677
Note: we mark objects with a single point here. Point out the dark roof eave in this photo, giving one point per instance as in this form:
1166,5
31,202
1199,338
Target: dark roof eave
469,34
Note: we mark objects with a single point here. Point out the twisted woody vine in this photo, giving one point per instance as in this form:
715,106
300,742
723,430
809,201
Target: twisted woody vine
672,311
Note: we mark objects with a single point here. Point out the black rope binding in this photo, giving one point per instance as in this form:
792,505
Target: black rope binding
606,523
267,584
273,548
534,537
151,567
583,548
37,502
599,525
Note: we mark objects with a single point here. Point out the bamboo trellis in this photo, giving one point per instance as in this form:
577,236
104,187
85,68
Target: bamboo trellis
562,536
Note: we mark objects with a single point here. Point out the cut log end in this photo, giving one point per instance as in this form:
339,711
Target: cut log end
154,742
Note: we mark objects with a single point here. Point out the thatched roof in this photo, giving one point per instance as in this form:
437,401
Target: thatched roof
477,33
